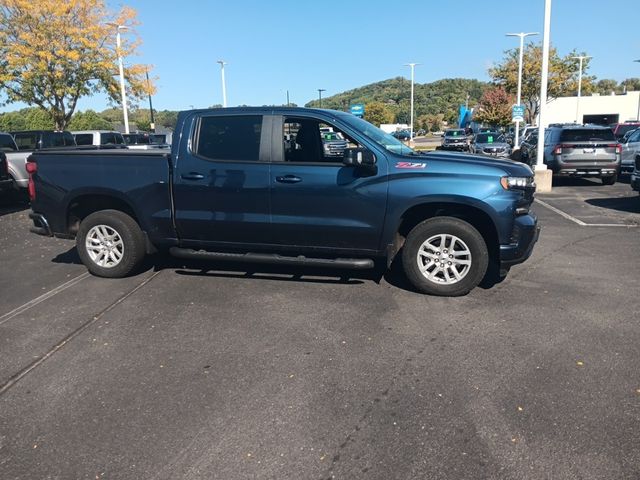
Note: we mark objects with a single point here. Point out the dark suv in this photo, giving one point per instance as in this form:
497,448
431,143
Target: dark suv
39,139
581,150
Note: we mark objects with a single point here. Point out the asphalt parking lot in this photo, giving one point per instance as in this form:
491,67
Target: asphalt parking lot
223,373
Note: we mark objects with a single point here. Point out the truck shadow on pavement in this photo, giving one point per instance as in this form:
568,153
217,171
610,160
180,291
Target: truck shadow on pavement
393,276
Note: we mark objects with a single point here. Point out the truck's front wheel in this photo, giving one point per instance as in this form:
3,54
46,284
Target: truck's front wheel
110,243
445,256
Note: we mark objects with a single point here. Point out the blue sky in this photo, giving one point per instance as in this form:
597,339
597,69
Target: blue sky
337,45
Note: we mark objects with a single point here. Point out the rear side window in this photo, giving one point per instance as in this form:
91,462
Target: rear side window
26,141
587,135
84,139
230,138
111,138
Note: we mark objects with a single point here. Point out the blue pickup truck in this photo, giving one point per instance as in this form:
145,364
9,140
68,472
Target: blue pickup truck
256,185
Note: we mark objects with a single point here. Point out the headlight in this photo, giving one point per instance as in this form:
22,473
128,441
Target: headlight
520,183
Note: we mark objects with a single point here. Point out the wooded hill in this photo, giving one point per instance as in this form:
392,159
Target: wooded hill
440,97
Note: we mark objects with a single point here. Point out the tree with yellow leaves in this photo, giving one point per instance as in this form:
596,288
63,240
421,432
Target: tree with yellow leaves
54,52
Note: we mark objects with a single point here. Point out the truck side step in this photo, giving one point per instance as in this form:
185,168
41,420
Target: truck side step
272,258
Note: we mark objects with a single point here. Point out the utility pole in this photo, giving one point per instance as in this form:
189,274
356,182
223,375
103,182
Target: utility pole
320,90
581,58
522,36
224,85
288,98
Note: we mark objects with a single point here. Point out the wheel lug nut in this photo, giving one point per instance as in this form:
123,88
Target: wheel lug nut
450,256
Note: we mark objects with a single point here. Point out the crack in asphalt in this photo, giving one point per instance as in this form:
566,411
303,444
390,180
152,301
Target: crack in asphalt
39,361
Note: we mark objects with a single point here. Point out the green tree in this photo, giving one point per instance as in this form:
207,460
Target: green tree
563,76
494,107
606,86
631,84
378,113
89,120
55,52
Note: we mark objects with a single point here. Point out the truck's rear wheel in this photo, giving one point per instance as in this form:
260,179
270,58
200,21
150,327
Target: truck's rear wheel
110,243
445,256
609,180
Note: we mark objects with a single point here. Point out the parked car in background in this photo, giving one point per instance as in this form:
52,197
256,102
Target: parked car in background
493,144
635,175
143,141
6,183
100,138
402,134
333,144
630,148
30,141
455,139
620,129
527,145
581,150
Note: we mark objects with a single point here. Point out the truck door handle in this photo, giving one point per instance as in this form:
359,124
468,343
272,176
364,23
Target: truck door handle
288,179
192,176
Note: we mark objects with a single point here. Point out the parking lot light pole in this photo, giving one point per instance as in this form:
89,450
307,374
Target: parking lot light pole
638,114
153,123
413,66
123,91
320,90
580,58
522,36
224,85
543,176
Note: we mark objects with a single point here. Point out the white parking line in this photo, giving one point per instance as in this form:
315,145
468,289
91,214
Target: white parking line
32,303
578,221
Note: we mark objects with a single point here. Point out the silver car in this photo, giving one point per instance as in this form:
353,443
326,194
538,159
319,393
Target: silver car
490,143
630,148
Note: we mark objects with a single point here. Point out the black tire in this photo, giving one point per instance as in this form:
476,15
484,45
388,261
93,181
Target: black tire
128,231
479,256
609,180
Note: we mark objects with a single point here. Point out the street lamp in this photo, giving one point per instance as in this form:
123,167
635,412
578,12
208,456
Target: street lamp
581,58
320,90
542,175
153,123
224,85
413,66
638,114
522,36
123,92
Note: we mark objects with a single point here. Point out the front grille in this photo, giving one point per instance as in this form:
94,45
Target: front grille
494,150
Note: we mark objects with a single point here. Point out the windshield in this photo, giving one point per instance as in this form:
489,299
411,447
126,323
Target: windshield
385,140
454,133
489,138
622,129
330,136
7,143
586,135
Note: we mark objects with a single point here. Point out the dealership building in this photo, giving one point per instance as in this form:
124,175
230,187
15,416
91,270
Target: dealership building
598,109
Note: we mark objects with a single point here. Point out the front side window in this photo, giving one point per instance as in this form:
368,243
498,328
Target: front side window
311,140
229,138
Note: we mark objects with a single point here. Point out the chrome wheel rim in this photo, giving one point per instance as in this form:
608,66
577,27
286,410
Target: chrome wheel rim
104,246
444,259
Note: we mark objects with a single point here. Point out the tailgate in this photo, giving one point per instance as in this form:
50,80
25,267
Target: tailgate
588,153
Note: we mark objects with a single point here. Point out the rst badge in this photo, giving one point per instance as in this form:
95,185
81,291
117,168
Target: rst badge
411,165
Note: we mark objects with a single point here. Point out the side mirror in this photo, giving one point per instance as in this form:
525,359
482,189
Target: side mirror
358,157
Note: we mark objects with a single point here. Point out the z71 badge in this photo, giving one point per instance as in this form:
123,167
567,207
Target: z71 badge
411,165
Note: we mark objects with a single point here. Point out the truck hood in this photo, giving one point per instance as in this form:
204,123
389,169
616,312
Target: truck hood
510,167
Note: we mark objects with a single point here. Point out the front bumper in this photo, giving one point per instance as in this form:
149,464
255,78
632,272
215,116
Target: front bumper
523,238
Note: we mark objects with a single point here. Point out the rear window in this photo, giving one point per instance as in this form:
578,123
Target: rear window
622,129
57,139
110,138
26,141
7,143
230,138
587,135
